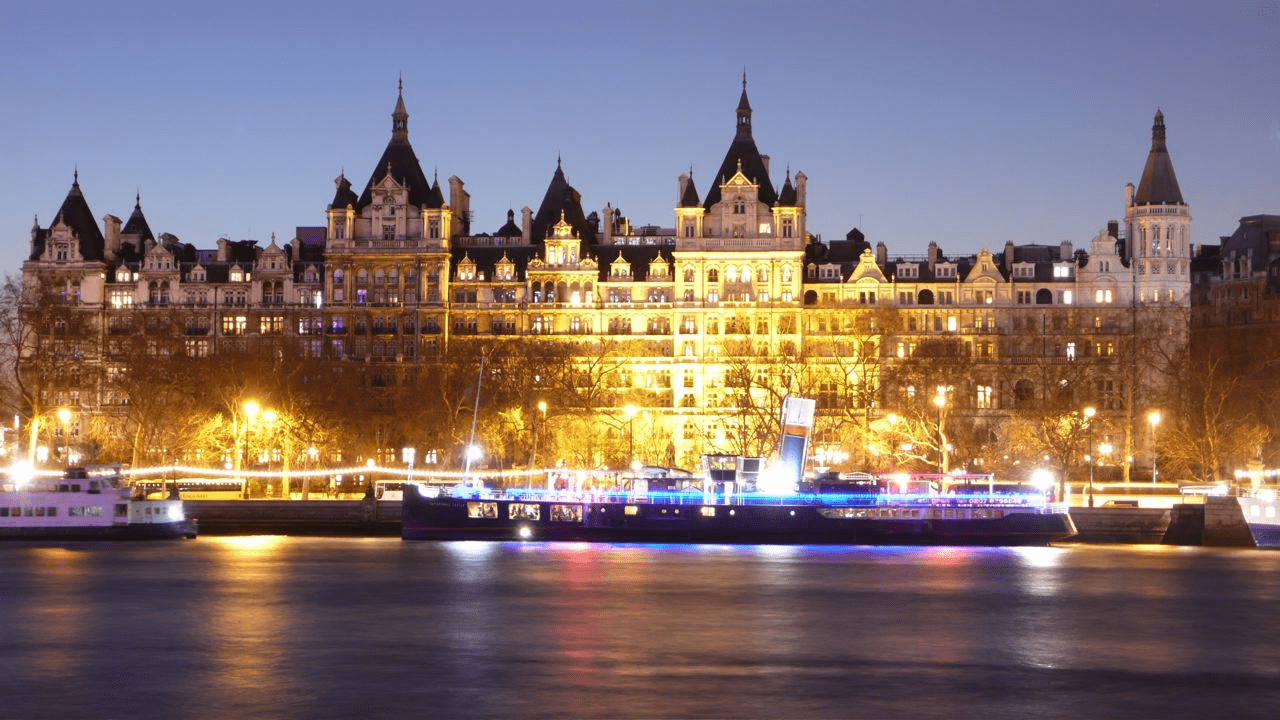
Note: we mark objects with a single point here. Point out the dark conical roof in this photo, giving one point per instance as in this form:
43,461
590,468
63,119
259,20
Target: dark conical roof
561,198
75,213
137,224
344,195
1159,186
743,154
690,197
787,198
400,162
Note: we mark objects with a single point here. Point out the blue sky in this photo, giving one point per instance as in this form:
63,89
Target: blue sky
969,124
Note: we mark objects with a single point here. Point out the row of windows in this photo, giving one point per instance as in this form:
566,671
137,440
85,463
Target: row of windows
89,511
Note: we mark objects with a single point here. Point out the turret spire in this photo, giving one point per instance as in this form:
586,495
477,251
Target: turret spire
744,111
1159,184
400,117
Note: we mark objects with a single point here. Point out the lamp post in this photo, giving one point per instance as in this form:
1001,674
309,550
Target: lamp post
251,409
631,435
941,401
1089,412
1154,418
64,417
539,420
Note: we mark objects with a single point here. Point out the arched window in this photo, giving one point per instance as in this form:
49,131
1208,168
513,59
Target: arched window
688,274
1024,394
925,297
1044,297
810,297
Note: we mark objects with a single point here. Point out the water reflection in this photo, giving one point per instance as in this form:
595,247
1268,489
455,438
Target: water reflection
313,627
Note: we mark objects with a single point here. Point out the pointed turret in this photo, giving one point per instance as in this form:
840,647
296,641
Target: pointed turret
689,198
787,197
562,201
1159,185
744,112
137,226
400,162
400,118
76,215
344,196
743,155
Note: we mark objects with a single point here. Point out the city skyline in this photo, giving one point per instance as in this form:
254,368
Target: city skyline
966,128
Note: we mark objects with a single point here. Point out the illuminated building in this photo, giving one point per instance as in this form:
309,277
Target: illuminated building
734,305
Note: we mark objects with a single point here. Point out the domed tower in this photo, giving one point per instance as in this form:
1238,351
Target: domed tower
1159,228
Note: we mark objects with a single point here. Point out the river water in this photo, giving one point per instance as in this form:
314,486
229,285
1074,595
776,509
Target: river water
285,627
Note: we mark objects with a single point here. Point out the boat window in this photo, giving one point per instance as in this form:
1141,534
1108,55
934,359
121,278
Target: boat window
53,512
39,512
28,512
708,511
566,513
631,510
122,510
524,511
482,510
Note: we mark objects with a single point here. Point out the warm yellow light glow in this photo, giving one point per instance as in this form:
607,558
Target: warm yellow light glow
64,415
252,408
542,406
1154,417
1090,411
631,411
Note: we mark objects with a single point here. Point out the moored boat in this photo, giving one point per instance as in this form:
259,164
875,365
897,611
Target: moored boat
1262,515
873,511
84,505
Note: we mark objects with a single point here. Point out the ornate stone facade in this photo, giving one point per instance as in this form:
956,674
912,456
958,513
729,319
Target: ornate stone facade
734,305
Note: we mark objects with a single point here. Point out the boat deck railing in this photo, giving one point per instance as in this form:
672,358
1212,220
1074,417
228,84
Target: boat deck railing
1034,501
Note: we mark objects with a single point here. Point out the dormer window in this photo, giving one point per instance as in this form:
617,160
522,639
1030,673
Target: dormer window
1062,271
944,270
909,271
237,275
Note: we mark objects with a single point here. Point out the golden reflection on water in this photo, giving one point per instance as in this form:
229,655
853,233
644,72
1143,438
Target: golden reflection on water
56,626
247,615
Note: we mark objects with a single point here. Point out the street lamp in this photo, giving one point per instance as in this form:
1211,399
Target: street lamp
540,419
1154,418
64,417
631,434
1089,412
941,401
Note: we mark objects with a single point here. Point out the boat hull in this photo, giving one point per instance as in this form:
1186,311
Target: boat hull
133,531
1263,518
449,518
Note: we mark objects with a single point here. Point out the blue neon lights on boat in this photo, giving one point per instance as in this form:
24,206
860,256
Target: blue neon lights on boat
825,499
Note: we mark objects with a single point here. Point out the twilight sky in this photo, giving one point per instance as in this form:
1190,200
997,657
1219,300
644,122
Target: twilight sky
966,123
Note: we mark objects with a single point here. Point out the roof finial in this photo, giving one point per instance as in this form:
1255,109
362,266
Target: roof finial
744,78
137,198
75,177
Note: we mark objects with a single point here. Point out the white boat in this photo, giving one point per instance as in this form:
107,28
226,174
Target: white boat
87,506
